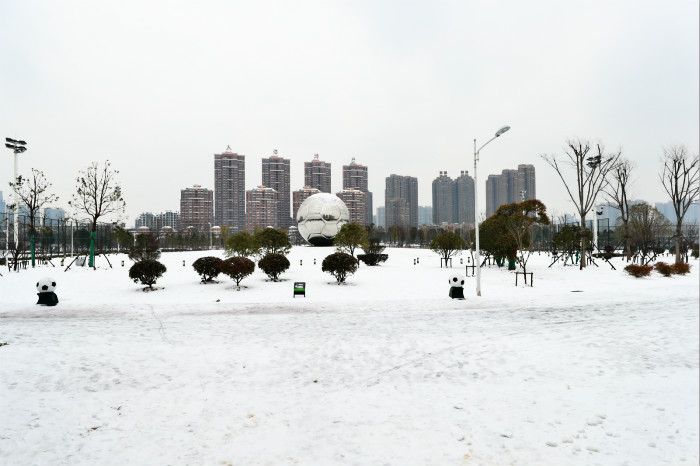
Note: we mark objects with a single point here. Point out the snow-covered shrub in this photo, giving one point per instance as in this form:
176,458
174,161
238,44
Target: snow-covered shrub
664,269
238,268
340,265
681,268
147,272
208,267
273,265
638,270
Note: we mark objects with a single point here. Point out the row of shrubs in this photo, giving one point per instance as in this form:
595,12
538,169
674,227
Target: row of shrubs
679,268
239,267
339,264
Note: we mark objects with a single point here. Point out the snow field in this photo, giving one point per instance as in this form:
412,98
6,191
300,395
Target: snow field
384,370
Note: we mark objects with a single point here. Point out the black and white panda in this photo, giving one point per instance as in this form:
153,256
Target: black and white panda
456,286
46,287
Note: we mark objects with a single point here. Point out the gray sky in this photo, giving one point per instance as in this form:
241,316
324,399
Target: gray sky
403,86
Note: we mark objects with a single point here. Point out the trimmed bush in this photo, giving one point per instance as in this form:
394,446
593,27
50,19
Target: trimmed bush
238,268
695,254
664,269
372,259
208,267
373,253
681,268
273,265
638,270
147,272
340,265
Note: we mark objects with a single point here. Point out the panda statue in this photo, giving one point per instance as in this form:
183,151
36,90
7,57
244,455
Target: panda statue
45,288
456,286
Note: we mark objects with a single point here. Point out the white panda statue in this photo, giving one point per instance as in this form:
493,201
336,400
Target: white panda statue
456,286
46,287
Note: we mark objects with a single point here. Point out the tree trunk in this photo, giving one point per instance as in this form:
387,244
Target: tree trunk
582,259
678,241
628,245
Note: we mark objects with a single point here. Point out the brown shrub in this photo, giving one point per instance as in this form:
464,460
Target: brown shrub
638,270
681,268
664,269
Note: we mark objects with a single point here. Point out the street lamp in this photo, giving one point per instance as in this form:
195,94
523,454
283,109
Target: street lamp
210,242
18,148
476,208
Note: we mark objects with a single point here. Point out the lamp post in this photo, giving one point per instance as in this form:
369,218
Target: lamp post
476,208
18,148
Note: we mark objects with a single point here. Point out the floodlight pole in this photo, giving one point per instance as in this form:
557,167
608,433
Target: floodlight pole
14,182
477,264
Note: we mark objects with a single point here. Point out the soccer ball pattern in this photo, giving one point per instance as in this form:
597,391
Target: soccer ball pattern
320,217
457,280
46,284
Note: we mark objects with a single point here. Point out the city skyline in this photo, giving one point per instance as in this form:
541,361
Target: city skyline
141,86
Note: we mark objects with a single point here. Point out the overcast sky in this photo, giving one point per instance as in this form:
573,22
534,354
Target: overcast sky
402,86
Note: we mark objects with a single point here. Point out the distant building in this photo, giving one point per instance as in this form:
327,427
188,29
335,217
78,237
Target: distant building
401,201
229,190
443,199
356,202
54,215
156,222
666,208
197,208
509,187
355,177
425,215
146,219
317,174
381,217
300,196
261,203
453,200
464,213
275,175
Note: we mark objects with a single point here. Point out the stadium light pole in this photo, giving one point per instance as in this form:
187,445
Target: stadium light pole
476,207
17,147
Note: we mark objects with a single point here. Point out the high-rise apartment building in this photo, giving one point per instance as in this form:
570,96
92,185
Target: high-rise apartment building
355,177
262,208
453,200
464,199
401,201
443,199
300,196
509,187
229,189
526,181
275,175
317,174
196,208
356,202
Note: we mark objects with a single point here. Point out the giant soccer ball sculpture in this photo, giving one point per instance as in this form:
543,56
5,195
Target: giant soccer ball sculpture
320,217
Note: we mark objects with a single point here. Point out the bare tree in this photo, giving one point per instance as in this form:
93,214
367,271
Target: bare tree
617,191
32,192
97,195
647,228
591,177
680,180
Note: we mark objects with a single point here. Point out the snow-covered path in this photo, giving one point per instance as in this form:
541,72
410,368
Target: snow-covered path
371,382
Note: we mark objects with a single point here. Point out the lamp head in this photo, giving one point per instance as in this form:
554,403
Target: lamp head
502,130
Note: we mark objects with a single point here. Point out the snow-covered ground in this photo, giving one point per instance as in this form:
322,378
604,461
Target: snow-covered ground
586,367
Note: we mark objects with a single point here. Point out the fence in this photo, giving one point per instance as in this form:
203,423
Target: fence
54,237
